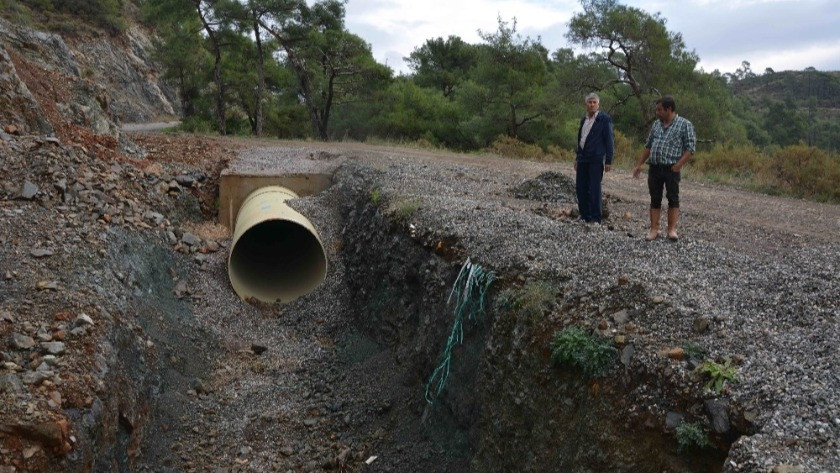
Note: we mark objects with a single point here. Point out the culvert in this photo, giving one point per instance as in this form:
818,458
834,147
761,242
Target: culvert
276,253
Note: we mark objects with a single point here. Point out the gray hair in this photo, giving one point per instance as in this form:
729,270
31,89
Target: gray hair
592,95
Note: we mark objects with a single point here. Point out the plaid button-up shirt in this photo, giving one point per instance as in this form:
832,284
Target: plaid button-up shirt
667,145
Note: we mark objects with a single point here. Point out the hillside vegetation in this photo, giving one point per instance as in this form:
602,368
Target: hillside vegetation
295,71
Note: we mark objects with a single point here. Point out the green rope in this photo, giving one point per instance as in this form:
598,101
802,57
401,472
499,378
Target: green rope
468,293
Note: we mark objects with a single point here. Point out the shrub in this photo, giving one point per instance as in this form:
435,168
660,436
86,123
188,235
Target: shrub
375,195
624,153
510,147
573,346
405,208
195,125
692,350
690,435
804,171
561,154
729,164
528,302
718,374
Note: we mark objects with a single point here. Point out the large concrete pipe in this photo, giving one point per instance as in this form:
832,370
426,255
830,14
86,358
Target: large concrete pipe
276,252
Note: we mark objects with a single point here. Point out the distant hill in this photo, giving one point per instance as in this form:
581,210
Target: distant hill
797,85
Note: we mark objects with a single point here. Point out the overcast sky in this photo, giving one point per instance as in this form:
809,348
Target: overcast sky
780,34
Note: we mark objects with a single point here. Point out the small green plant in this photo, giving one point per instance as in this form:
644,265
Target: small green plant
693,350
573,346
718,374
405,208
375,195
690,435
528,302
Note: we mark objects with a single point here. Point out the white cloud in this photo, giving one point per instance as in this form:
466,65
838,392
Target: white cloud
782,34
395,28
821,56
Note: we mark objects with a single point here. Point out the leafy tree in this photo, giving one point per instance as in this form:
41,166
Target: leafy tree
331,64
183,64
645,57
785,125
417,113
507,90
442,64
211,13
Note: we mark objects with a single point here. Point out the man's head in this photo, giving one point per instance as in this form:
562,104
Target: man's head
592,103
666,108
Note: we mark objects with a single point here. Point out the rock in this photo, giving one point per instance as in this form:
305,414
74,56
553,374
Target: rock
41,252
154,217
621,317
54,348
30,452
181,289
51,434
83,319
10,382
676,353
287,451
658,299
190,240
184,180
22,342
717,412
28,191
673,420
258,349
627,354
701,324
623,280
46,285
36,377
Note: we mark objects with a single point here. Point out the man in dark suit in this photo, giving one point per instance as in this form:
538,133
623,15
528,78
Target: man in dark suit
594,157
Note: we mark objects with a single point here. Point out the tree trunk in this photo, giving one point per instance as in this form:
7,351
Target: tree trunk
258,119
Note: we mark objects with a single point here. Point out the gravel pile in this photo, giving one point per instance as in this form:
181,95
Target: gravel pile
779,319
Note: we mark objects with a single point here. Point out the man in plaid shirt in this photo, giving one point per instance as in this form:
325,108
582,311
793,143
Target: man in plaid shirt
671,143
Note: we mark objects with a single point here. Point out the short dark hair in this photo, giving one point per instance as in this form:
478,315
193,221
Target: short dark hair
667,103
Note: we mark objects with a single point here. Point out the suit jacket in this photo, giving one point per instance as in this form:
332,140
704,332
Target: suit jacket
599,141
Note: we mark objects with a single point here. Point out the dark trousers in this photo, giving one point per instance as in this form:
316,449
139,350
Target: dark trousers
588,184
661,175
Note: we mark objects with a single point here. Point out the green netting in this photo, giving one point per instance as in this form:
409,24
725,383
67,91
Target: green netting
468,294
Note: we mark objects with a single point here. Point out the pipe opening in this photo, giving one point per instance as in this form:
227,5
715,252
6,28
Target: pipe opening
277,259
276,252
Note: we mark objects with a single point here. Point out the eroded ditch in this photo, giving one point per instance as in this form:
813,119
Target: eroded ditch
335,380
